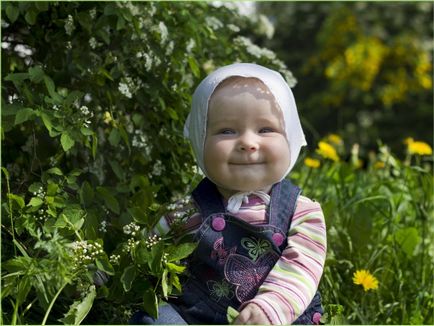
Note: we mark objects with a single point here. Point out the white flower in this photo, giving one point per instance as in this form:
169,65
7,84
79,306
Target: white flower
125,90
152,10
265,26
253,49
69,25
148,61
213,22
92,42
190,45
114,259
164,33
170,48
85,110
103,226
233,28
158,168
92,13
131,228
152,241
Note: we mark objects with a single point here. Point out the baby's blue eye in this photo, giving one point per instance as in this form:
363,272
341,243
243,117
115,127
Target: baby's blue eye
265,130
226,131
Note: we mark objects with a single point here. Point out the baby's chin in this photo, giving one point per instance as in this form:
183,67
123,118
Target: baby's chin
228,191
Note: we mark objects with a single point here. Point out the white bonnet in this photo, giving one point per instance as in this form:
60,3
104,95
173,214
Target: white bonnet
195,125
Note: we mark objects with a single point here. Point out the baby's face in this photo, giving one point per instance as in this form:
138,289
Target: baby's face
245,146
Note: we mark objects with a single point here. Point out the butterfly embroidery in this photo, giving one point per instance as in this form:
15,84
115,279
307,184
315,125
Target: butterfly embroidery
248,275
255,247
220,253
219,290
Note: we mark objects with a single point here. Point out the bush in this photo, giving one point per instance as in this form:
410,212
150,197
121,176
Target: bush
94,99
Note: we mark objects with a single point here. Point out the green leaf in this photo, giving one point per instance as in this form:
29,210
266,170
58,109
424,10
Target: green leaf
41,5
52,89
117,169
105,73
30,17
174,280
86,194
79,309
194,66
66,141
172,114
141,254
114,137
24,115
34,187
175,268
150,303
103,264
110,201
36,74
18,199
180,252
156,258
72,97
17,78
52,189
12,12
86,131
231,314
55,171
164,284
47,121
408,239
35,202
128,277
23,289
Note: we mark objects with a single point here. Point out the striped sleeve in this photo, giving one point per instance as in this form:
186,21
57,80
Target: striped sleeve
291,284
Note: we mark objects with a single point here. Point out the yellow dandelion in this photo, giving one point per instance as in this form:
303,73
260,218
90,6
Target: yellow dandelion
379,165
335,139
312,163
419,148
366,279
327,151
408,140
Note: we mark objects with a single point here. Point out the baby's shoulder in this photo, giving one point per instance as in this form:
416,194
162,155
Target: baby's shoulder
304,202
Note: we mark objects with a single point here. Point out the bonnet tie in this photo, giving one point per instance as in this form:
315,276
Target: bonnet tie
235,201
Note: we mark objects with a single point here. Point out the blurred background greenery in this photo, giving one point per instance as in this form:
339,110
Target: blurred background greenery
364,69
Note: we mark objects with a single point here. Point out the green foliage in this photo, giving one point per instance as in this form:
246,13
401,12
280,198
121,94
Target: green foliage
94,97
364,69
379,218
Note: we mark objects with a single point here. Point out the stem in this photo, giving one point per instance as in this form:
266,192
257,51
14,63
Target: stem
5,172
52,303
14,316
307,178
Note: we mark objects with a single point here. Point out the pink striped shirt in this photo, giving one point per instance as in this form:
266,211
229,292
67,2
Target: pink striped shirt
291,284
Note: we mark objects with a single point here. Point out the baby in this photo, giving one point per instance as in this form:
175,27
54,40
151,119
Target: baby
261,245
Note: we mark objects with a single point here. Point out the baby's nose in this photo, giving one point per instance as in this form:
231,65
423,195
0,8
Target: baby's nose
249,147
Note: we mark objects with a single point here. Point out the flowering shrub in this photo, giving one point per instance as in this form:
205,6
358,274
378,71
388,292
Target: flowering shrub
94,97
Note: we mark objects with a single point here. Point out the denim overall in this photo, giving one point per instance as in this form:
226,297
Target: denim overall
234,257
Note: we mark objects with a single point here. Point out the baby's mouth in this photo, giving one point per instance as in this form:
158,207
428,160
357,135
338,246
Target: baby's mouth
246,163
